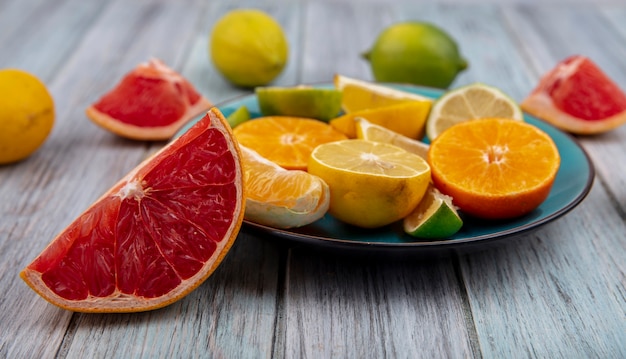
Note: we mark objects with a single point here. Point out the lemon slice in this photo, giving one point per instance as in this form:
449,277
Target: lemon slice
407,119
300,101
372,184
368,131
470,102
361,95
239,116
434,218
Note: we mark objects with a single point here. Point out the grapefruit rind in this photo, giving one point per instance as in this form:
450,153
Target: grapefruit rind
130,186
541,106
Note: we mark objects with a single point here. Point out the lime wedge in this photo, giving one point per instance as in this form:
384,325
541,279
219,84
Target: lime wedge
434,218
238,117
300,101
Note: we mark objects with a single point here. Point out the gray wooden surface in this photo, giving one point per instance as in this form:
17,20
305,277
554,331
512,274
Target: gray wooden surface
558,292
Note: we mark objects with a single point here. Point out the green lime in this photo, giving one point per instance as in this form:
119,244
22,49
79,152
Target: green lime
301,101
434,218
240,115
248,47
417,53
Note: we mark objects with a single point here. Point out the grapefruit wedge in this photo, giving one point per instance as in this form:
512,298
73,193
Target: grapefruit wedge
150,103
155,235
578,97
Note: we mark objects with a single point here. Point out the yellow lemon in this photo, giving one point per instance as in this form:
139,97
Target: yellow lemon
368,131
26,114
248,47
362,95
372,184
408,119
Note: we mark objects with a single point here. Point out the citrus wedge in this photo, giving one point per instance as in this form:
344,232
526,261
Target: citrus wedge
494,168
151,103
372,184
407,119
578,97
156,235
371,132
286,141
470,102
239,116
281,198
362,95
300,101
434,218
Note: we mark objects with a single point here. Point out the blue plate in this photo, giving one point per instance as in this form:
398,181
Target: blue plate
573,182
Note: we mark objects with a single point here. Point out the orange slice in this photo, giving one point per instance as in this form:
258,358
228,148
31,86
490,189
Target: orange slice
494,168
155,235
286,141
281,198
151,102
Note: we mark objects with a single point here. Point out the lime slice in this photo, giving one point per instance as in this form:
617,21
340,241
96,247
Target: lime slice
469,103
238,117
363,95
372,132
301,101
434,218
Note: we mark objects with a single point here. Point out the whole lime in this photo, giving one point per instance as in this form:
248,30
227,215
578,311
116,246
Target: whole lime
417,53
26,114
248,47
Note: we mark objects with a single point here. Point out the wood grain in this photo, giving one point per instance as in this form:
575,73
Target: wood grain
556,292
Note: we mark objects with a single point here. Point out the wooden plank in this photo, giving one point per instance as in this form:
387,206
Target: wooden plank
538,296
335,307
76,165
38,36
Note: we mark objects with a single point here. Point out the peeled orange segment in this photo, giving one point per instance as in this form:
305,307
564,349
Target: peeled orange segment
467,103
150,103
372,184
578,97
368,131
494,168
362,95
281,198
155,235
407,119
286,141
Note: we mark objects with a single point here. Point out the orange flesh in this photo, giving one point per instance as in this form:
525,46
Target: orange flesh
494,168
286,141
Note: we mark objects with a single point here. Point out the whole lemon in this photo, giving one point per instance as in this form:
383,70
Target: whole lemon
248,47
26,114
417,53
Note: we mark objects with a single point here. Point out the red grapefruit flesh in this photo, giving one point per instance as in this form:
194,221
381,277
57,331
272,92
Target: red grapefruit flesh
154,236
578,97
150,103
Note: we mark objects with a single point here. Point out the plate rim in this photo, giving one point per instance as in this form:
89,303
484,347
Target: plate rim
310,239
